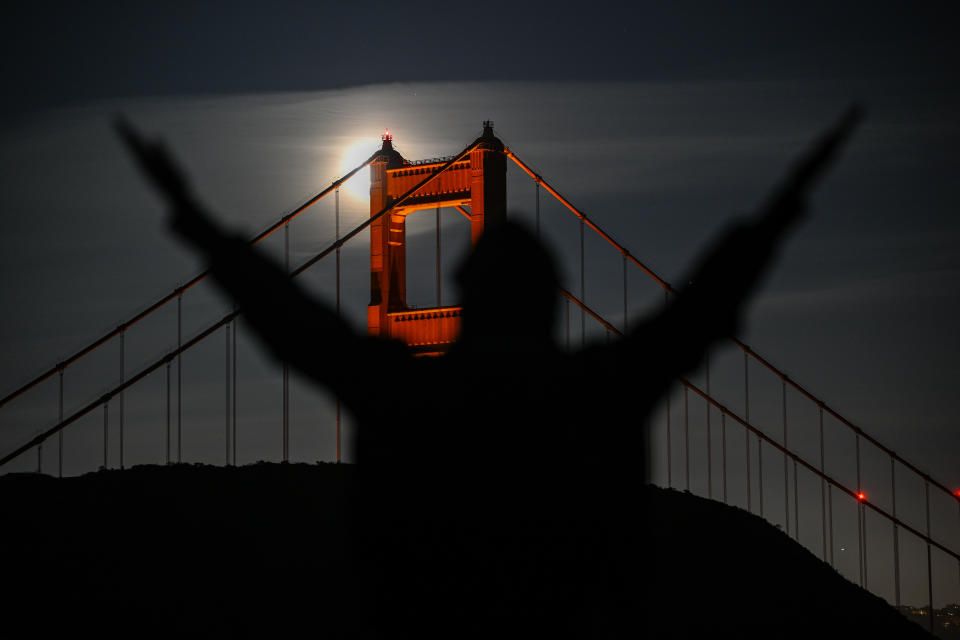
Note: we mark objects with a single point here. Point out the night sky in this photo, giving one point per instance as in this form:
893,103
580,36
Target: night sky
662,121
62,55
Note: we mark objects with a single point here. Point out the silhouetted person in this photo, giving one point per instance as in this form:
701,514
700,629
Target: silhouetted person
497,488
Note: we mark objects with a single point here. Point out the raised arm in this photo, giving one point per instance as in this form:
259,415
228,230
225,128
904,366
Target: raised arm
710,307
296,328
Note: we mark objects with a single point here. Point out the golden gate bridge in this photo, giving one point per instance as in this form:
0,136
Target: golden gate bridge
473,182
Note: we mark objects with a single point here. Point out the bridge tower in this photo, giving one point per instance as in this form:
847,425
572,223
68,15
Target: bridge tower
479,182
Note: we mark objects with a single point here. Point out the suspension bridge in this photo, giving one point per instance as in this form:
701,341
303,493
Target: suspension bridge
742,431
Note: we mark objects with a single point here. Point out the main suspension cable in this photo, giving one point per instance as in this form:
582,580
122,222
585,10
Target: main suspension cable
123,326
743,346
39,439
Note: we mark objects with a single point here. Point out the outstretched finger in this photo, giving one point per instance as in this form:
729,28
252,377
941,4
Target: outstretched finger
155,162
787,201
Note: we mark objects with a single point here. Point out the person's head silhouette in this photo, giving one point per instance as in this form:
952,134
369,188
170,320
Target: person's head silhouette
508,286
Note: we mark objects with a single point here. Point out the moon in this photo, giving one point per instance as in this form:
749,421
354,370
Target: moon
357,187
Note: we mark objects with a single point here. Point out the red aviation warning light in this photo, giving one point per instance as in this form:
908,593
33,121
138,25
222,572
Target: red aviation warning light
862,497
387,136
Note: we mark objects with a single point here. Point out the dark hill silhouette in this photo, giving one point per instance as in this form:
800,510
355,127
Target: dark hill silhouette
167,550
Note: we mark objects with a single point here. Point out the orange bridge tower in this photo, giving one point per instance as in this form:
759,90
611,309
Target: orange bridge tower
476,186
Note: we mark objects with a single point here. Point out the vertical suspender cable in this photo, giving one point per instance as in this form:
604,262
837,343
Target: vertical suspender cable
123,375
796,504
286,414
106,410
686,434
168,412
723,450
179,377
537,182
760,474
226,412
746,414
625,323
829,501
786,484
666,301
926,490
830,511
233,385
709,452
336,231
669,447
60,434
896,533
439,263
823,492
859,512
863,517
286,367
583,293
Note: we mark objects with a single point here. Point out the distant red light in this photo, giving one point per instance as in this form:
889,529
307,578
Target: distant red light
861,496
957,493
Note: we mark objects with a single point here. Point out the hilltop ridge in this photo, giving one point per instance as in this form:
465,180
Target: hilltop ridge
189,548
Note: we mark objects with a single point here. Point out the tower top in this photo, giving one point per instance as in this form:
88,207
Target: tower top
487,140
387,153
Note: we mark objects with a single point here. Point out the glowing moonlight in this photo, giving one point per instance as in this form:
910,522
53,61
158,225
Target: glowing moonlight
356,154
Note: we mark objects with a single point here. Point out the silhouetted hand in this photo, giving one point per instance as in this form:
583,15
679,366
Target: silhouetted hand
787,201
186,217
